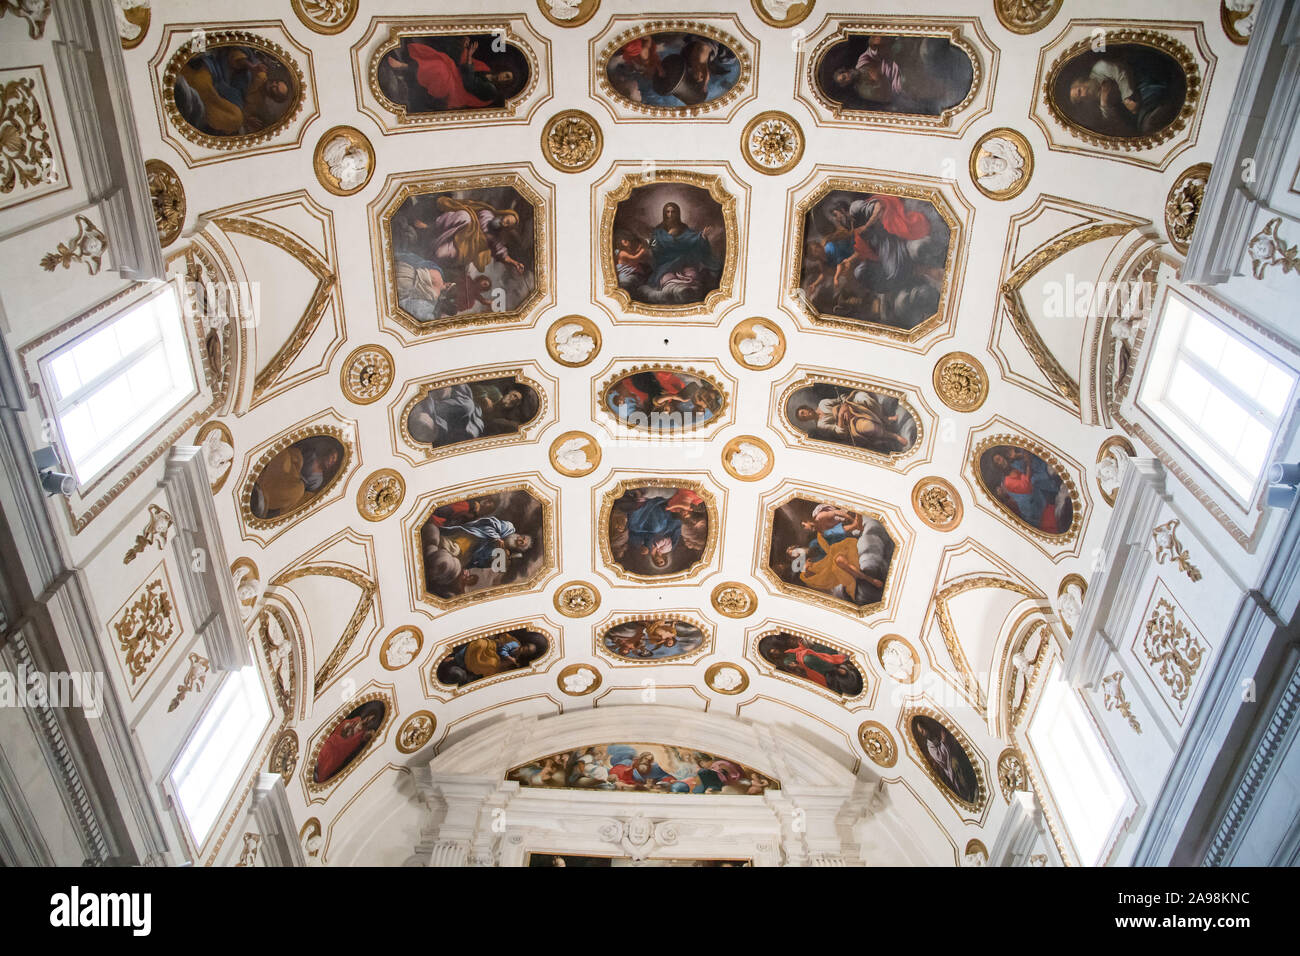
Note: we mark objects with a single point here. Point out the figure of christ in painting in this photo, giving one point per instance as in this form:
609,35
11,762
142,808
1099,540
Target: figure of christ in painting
1029,490
656,527
347,739
859,419
459,82
670,262
826,667
232,91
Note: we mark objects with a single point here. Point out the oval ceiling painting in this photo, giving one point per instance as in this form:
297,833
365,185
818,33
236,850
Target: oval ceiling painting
663,400
465,72
234,90
470,410
656,768
874,258
491,654
673,71
812,661
831,551
1127,91
856,418
348,740
1035,492
296,476
653,640
946,759
658,530
888,73
482,543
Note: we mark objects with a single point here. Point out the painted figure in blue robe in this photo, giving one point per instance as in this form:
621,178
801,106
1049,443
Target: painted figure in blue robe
483,539
677,248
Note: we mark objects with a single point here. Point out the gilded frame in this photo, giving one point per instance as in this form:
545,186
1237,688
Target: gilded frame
763,548
605,553
341,432
977,761
869,682
727,284
437,690
526,434
687,616
413,27
956,239
314,789
723,108
804,376
620,369
549,534
1051,458
404,186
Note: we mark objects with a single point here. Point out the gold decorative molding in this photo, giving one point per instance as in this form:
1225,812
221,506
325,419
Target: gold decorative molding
27,160
1183,205
1114,699
1026,16
573,341
572,141
577,599
578,680
1061,380
733,599
772,143
1012,777
364,605
87,247
1267,248
284,755
578,11
948,630
937,503
1140,37
403,635
367,374
1170,647
203,440
146,627
989,159
337,155
878,743
154,534
326,16
726,678
1062,590
416,731
1231,21
167,195
960,381
135,13
248,855
755,455
1168,547
279,655
1109,451
192,680
795,12
757,343
888,655
380,494
566,450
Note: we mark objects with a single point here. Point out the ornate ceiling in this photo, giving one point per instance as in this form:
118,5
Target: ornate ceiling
581,355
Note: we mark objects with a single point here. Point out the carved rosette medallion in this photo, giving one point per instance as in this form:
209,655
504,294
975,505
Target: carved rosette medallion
772,143
937,503
961,382
367,374
572,141
878,743
380,494
577,599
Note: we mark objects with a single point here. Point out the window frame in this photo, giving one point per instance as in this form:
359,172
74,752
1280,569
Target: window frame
59,404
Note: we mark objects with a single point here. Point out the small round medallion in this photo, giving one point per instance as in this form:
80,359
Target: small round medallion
757,343
577,599
726,678
772,143
937,503
961,381
367,374
416,731
380,494
733,599
878,743
571,141
1001,164
573,341
344,160
747,458
578,680
168,198
575,454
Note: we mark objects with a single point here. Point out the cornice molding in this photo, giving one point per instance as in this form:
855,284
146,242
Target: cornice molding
270,807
